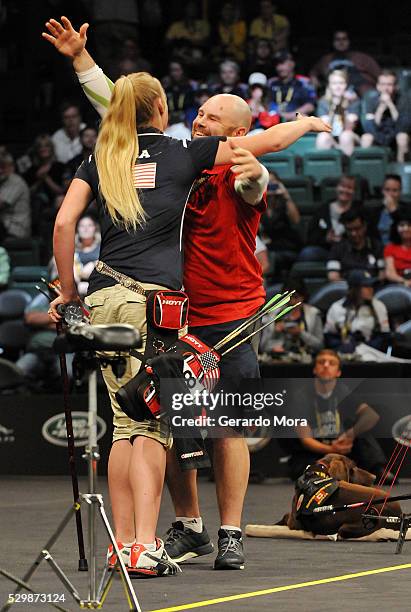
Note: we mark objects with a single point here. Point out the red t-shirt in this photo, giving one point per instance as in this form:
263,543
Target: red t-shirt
222,276
401,255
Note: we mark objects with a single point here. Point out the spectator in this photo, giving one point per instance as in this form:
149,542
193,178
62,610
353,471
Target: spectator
230,80
201,95
15,213
40,365
362,69
398,255
325,227
45,174
356,250
86,254
281,238
291,93
271,26
358,318
261,59
340,108
88,138
338,422
261,106
300,331
382,218
386,116
130,60
113,23
231,34
262,255
66,140
188,37
4,268
179,89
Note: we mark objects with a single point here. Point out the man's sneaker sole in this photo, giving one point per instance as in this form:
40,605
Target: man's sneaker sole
200,551
223,565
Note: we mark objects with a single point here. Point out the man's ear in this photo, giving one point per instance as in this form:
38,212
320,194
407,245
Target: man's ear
241,131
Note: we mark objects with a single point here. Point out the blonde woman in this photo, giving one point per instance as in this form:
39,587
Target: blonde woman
339,107
141,180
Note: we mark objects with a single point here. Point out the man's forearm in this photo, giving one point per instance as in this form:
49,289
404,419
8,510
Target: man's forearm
367,418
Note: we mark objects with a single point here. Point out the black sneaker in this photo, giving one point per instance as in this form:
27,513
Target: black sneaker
182,543
230,550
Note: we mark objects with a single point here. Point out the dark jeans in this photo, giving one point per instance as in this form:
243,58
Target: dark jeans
366,452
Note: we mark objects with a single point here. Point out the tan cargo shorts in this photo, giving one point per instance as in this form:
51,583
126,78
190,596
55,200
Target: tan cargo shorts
118,304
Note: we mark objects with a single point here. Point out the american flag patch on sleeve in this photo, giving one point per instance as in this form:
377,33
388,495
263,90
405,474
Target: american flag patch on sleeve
144,175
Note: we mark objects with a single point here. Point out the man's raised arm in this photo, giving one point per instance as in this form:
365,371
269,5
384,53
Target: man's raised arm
72,44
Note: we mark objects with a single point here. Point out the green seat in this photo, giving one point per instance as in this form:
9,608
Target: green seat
27,277
370,163
282,163
404,79
303,144
23,251
404,170
309,269
321,164
300,189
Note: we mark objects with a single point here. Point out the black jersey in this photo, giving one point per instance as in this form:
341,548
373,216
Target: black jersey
164,174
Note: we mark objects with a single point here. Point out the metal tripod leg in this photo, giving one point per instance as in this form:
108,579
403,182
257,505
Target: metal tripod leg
28,587
405,523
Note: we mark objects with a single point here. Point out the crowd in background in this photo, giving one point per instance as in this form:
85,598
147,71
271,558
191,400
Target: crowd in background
366,104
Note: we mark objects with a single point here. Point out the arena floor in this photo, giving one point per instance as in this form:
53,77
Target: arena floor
281,575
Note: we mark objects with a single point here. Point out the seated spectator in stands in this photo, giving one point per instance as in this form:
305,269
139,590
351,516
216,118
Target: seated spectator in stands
230,80
231,34
338,422
261,58
129,60
44,178
262,255
300,331
383,218
362,69
15,212
201,95
260,103
282,239
325,227
291,93
357,318
88,138
188,37
271,26
356,250
179,89
66,140
40,365
86,253
177,127
4,268
398,255
386,116
340,107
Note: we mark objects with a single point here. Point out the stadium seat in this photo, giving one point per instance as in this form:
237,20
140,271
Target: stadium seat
328,188
282,163
10,377
404,170
309,269
13,303
300,189
13,338
321,164
404,79
370,163
328,294
397,299
27,277
23,251
402,337
303,144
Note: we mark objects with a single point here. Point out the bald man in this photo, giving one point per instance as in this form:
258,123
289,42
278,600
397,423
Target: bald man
224,282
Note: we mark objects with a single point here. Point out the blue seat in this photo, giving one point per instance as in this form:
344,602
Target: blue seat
282,163
321,164
328,294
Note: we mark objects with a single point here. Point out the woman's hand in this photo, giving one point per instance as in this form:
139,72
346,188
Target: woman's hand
65,38
61,299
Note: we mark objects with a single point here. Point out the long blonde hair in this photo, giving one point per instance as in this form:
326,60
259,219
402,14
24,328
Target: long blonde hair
117,147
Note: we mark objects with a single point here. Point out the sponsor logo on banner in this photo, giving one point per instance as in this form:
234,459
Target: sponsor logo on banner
6,435
54,429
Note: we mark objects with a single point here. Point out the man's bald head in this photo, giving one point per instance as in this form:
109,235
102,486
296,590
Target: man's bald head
223,115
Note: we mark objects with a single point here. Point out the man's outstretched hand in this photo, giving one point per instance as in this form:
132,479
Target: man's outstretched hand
65,38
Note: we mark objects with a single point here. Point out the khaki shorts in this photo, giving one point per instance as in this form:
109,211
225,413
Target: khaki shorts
118,304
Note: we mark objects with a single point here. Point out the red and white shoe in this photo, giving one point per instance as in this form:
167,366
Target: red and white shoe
151,563
111,559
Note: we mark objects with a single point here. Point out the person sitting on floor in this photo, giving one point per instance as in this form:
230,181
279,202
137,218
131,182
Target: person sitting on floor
358,318
338,422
